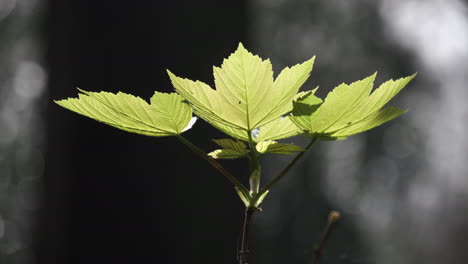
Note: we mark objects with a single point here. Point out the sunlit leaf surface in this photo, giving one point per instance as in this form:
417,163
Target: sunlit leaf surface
167,115
348,109
246,96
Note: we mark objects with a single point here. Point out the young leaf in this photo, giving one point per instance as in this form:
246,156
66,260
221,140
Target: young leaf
226,154
245,199
271,146
232,149
238,146
246,97
348,109
260,199
167,115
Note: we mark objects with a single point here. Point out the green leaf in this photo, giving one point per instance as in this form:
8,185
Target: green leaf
232,149
238,146
304,107
167,115
274,147
246,97
338,103
280,128
245,199
374,120
260,199
226,154
373,103
348,109
234,132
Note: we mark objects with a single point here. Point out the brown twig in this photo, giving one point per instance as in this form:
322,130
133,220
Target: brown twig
333,217
244,250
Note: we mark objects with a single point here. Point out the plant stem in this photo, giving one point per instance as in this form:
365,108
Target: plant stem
333,217
254,181
255,167
286,170
244,250
214,163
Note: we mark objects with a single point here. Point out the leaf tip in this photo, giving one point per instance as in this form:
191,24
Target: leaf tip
170,73
315,89
311,60
59,102
82,91
411,77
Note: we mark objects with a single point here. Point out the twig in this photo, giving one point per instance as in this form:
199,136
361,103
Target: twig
333,217
244,250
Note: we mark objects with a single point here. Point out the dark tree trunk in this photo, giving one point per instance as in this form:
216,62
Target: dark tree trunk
114,197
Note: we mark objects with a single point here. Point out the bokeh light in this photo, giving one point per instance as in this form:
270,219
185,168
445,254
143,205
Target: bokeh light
402,186
22,83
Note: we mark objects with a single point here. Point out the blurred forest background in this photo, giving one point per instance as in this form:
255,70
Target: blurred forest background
76,191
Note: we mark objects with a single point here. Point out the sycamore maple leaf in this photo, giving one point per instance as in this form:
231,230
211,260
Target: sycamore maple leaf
231,149
348,109
271,146
167,115
246,96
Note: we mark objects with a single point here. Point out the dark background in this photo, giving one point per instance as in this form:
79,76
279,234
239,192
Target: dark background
114,197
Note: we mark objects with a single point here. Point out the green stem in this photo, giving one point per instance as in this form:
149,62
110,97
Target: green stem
286,170
255,167
215,164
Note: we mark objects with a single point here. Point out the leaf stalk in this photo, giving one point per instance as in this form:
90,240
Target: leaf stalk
287,168
256,169
215,164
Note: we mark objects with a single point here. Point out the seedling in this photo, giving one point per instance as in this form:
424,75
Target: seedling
254,110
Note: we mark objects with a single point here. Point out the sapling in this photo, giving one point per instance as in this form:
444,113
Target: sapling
254,110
